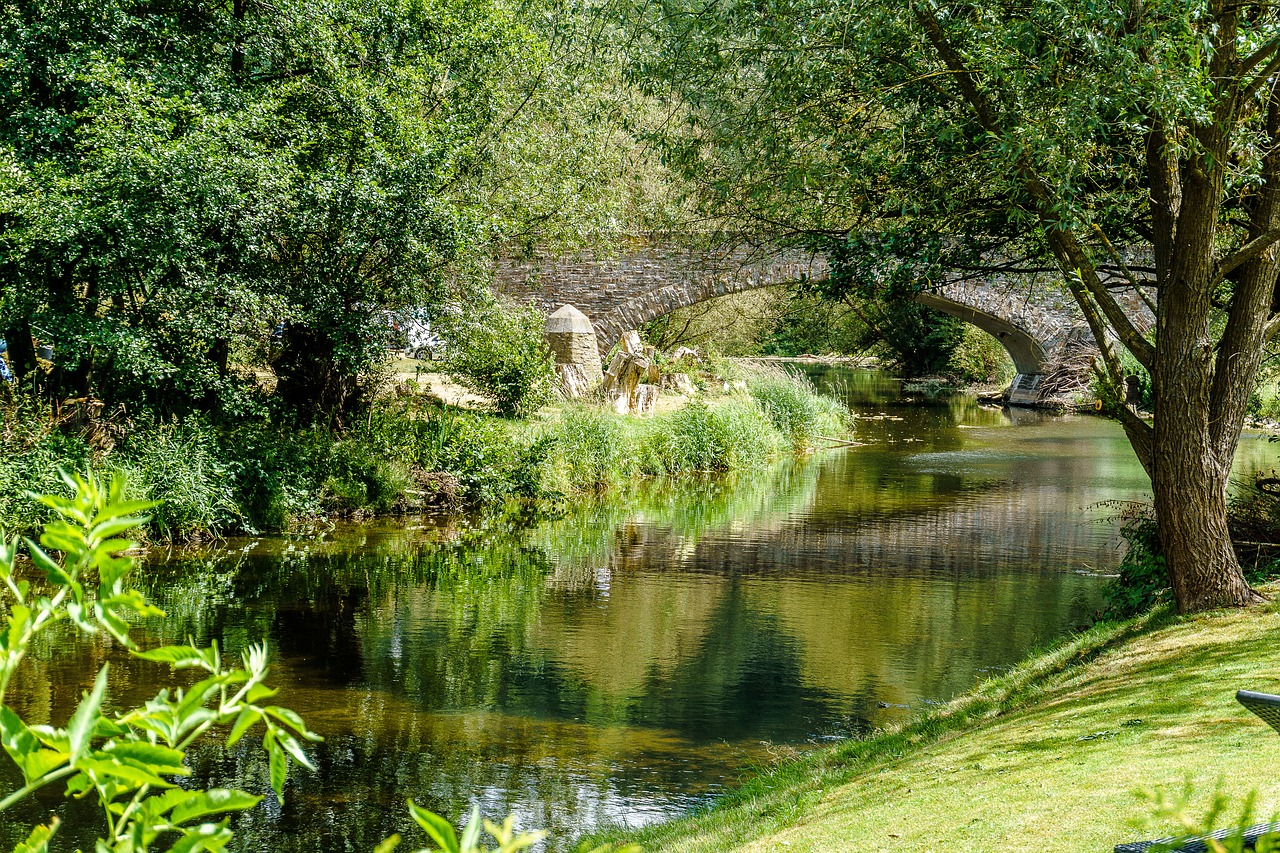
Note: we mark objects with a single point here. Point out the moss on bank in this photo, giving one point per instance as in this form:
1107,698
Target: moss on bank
1052,756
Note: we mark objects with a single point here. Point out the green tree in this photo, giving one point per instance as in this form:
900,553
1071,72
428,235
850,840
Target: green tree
1048,133
176,178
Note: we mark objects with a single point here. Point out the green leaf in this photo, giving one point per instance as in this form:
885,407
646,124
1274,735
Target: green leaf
290,718
131,774
11,640
161,803
41,762
161,759
278,764
214,801
176,656
388,845
51,568
115,510
206,836
19,741
247,718
85,720
258,692
294,748
103,530
196,695
439,829
471,832
38,840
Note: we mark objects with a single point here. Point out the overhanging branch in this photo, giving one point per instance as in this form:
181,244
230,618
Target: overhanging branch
1245,253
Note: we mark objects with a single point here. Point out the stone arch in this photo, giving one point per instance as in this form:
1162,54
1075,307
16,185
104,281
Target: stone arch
1028,354
1031,315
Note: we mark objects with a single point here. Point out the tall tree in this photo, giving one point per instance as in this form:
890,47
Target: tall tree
178,176
1053,131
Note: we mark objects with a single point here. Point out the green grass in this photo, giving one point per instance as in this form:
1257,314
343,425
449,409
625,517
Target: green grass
1053,756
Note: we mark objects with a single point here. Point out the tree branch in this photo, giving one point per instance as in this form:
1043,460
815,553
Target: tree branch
1068,249
1245,253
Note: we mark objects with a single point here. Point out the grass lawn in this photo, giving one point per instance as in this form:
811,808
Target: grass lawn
1053,756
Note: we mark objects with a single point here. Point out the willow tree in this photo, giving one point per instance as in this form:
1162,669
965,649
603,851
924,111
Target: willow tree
1052,130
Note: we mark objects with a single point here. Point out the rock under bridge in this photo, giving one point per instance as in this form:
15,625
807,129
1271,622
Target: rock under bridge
1032,316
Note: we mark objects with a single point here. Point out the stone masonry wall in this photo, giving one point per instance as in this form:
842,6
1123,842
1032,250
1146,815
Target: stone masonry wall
650,279
625,291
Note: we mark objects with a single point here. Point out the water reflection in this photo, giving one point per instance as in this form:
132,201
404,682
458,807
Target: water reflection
624,661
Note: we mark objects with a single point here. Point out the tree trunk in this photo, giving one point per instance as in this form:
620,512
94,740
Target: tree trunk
1190,477
310,380
1191,511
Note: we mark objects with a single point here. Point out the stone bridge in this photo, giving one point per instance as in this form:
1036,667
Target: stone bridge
1032,316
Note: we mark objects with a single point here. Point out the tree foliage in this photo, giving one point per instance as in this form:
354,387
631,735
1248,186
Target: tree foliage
1130,145
176,178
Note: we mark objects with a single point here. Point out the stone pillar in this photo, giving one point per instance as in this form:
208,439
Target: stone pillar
572,339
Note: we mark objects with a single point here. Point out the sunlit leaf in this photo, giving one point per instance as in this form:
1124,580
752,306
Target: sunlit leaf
208,836
38,840
161,759
388,844
214,801
85,720
246,718
128,772
439,829
278,764
176,656
471,832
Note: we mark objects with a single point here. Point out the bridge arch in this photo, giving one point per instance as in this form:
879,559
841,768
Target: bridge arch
1032,317
1028,354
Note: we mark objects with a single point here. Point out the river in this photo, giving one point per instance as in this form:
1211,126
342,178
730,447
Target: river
628,660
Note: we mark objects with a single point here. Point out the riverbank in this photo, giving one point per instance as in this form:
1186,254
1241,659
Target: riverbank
408,455
1053,756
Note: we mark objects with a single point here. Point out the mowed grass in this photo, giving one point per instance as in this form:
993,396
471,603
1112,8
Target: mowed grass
1053,756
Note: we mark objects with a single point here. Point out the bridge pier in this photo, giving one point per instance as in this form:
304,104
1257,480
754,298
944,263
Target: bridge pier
1024,390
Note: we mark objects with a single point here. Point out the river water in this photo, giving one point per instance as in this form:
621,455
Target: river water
626,661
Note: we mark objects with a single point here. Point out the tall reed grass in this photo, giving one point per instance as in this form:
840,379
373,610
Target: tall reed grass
780,411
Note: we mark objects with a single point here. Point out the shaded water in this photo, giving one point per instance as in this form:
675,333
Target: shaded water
629,660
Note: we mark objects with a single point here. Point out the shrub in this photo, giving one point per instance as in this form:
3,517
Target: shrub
979,358
480,452
501,353
1143,578
277,474
32,450
362,478
127,760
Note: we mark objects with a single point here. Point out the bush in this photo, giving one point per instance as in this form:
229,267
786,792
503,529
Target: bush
128,760
480,452
979,358
501,353
1143,579
362,478
277,475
